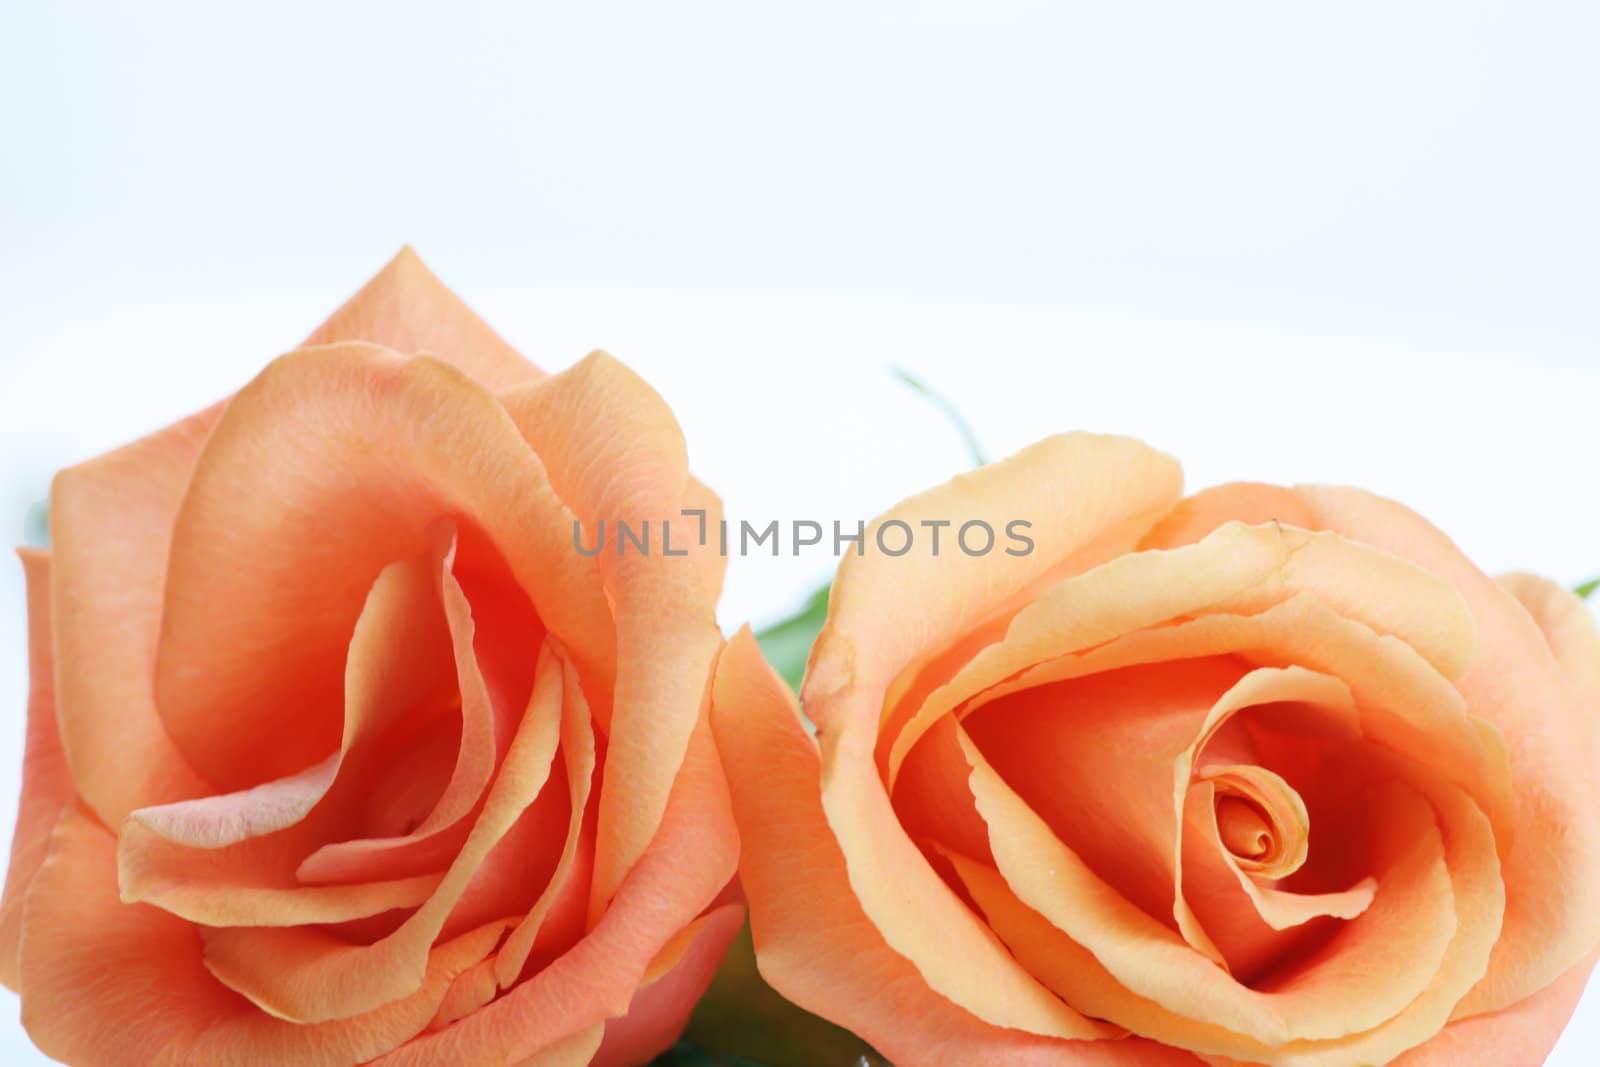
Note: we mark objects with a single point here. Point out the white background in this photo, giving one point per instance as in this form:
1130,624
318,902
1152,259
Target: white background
1349,243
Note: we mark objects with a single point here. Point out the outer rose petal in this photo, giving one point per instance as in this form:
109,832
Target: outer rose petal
813,942
1231,568
660,1009
106,983
406,308
46,782
1552,738
106,596
110,589
1099,493
615,453
1252,503
575,1050
1103,493
1569,629
1521,1034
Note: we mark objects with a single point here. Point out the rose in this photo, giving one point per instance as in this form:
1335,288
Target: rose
382,767
1263,776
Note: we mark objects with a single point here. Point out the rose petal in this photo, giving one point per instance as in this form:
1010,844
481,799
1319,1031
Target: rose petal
491,630
1243,935
575,1050
1522,1033
1069,967
310,976
46,783
1129,593
223,860
1552,738
1101,494
660,1009
684,869
306,489
1390,953
106,595
110,983
406,308
815,944
1249,924
1234,568
578,749
1098,759
615,453
1406,704
1252,503
1568,625
928,808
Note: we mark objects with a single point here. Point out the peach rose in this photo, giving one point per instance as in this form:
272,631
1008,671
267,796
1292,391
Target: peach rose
1262,776
338,751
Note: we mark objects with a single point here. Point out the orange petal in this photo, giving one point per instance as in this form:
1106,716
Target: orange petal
109,983
306,489
1522,1033
1382,591
406,308
1251,925
231,859
1552,739
1478,901
1240,917
916,913
660,1009
684,869
1068,966
46,783
1098,759
308,975
616,454
816,945
106,594
490,632
1252,503
887,614
1568,625
1235,568
575,1050
469,991
1129,593
577,747
1390,953
1406,704
929,809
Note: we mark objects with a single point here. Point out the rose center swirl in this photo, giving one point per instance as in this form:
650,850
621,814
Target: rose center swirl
1261,819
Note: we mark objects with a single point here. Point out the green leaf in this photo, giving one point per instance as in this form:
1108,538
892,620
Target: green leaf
1586,590
950,412
787,644
743,1022
684,1054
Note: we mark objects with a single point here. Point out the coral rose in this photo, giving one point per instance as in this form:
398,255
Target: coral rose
1264,775
338,751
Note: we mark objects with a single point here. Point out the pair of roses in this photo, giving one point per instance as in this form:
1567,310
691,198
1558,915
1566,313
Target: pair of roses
338,753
